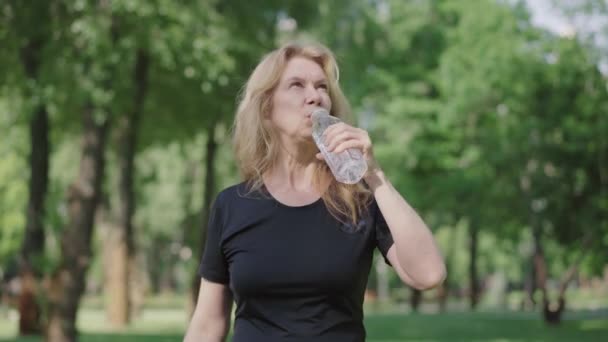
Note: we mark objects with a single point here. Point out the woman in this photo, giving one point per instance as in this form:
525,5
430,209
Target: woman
290,245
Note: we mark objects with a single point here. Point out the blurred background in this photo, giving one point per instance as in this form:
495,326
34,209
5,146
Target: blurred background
489,116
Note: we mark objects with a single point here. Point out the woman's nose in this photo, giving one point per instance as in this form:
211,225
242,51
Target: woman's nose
312,95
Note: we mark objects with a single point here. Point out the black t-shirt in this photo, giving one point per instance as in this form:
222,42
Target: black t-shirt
296,273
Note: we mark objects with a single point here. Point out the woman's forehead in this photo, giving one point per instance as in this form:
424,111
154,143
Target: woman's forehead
304,68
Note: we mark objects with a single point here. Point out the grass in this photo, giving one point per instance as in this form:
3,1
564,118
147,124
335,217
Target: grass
481,327
156,325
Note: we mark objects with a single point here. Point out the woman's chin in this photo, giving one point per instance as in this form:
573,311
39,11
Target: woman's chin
307,132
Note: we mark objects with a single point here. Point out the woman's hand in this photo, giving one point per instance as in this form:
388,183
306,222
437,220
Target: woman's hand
341,136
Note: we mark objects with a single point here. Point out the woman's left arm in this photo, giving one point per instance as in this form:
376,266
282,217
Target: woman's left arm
414,254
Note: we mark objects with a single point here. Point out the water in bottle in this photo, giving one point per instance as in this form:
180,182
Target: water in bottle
348,166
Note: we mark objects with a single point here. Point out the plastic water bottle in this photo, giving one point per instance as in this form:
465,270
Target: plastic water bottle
348,166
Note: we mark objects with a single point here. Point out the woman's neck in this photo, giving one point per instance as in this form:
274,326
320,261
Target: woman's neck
294,168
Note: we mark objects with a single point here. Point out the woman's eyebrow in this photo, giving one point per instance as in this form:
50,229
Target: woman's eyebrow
295,78
298,78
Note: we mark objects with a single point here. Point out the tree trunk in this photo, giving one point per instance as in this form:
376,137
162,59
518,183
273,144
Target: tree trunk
122,256
113,254
155,263
68,282
443,292
32,248
528,302
382,280
415,299
140,79
552,313
442,295
33,242
211,149
473,276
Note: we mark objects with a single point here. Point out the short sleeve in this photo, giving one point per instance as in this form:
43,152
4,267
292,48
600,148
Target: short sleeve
213,266
384,239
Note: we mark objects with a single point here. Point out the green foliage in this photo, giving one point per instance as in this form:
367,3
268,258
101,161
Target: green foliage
13,182
477,117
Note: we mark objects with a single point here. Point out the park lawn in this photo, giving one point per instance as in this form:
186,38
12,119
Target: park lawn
168,325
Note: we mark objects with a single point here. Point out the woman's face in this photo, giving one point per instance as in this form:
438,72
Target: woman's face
302,88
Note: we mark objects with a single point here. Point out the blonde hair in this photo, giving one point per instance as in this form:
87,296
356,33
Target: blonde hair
255,146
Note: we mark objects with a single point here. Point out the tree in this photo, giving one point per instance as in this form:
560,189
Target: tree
563,175
30,46
477,71
94,38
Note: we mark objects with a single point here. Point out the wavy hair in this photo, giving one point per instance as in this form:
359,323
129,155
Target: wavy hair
256,147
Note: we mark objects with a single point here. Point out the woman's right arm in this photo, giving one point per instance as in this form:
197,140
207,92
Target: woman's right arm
211,319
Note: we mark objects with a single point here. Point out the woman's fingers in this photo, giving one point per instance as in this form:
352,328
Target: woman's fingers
353,143
340,131
362,139
339,137
339,126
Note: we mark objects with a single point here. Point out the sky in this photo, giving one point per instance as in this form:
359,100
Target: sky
544,14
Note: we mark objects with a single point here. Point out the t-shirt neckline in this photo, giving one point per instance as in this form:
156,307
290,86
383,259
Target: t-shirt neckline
267,193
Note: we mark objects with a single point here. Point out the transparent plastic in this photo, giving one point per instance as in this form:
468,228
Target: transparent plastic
348,166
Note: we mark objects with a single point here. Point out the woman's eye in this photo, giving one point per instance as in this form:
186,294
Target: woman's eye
296,84
322,86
